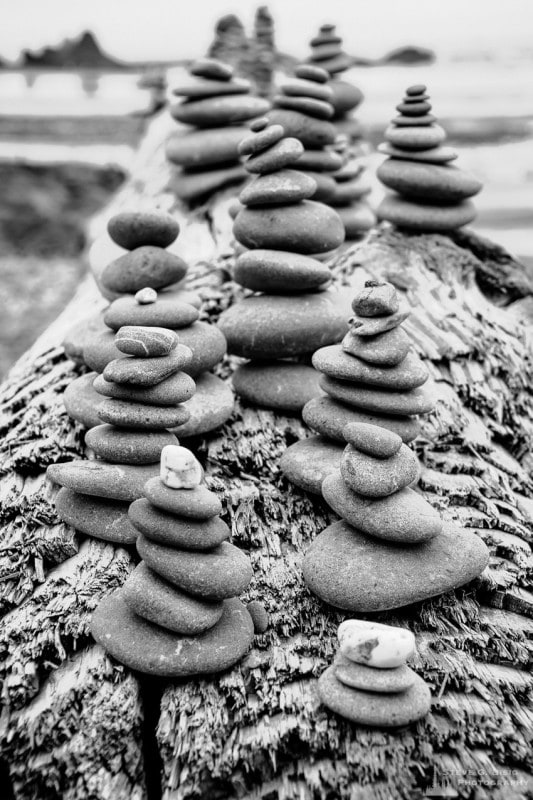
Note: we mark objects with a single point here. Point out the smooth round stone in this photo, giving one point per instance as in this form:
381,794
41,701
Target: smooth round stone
335,363
357,220
278,271
146,296
214,111
435,155
127,447
205,147
308,462
414,109
281,385
376,300
211,68
165,312
345,97
428,181
312,132
372,439
307,227
151,649
329,417
415,138
173,531
282,326
197,88
81,400
209,408
311,72
320,160
278,188
146,371
384,681
113,481
176,389
198,503
261,140
413,100
132,229
207,344
347,192
415,89
102,519
377,477
218,574
124,414
386,349
409,122
299,87
325,185
321,52
152,598
278,156
380,401
376,645
305,105
403,518
190,186
259,124
370,708
371,326
144,266
423,217
79,334
361,574
100,350
135,340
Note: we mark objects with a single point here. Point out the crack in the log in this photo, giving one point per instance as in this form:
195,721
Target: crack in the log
151,691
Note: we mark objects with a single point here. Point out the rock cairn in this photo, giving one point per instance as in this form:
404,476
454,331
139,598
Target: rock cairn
283,229
144,280
352,188
373,377
391,548
216,104
430,194
178,613
369,682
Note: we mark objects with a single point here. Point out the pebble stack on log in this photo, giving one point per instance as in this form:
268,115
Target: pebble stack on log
283,230
178,613
369,682
430,194
373,377
351,189
216,104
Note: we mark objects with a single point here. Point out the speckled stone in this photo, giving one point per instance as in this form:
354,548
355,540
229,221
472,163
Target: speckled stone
279,385
166,312
381,401
424,217
431,182
204,148
150,649
124,414
132,229
376,300
211,112
81,400
386,349
369,679
278,271
329,417
197,503
278,156
305,227
119,445
372,326
415,138
376,645
278,188
336,363
112,481
308,462
372,439
102,519
146,371
173,531
136,340
144,266
209,408
259,616
176,389
312,132
378,477
260,140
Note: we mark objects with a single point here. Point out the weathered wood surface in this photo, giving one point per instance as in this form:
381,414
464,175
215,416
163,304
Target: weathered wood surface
73,724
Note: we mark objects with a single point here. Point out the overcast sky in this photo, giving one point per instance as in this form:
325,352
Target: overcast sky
168,29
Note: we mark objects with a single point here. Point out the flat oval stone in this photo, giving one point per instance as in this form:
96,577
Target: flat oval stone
176,389
205,148
100,350
434,155
386,349
281,386
144,266
198,503
308,462
415,138
146,371
380,401
404,517
326,50
279,271
408,122
311,72
345,97
372,439
117,445
136,340
207,344
377,477
372,708
197,88
173,531
361,574
152,650
329,417
218,574
320,161
211,68
165,312
339,63
209,408
304,105
371,326
299,87
376,645
261,140
102,519
113,481
424,217
132,229
336,363
81,401
201,183
416,89
312,132
307,227
278,188
346,192
276,157
282,326
376,300
384,681
141,417
152,598
428,181
214,111
414,109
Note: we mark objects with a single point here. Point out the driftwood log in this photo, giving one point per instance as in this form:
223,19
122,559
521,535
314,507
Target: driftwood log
76,725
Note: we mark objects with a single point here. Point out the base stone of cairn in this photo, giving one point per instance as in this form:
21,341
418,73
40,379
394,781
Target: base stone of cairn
293,311
369,682
373,377
215,104
429,193
178,613
142,282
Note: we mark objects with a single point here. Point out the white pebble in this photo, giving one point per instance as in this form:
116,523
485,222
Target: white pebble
376,645
146,296
179,468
